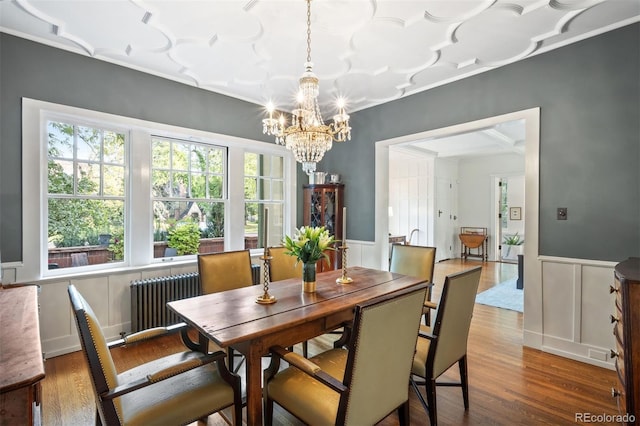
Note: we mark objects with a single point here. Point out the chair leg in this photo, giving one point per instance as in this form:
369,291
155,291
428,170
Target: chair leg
414,385
462,363
230,358
403,414
305,349
268,411
430,388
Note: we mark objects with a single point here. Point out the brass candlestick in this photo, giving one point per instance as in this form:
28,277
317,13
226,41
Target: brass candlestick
266,298
344,279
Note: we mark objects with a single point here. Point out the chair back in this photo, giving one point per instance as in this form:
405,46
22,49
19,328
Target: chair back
224,271
104,376
385,331
417,261
453,320
283,266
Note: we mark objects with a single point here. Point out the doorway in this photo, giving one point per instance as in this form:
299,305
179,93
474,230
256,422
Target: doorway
531,118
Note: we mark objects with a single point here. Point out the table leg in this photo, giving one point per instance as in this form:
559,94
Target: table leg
253,360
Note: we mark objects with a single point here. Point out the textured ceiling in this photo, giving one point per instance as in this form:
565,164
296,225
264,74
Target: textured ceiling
369,51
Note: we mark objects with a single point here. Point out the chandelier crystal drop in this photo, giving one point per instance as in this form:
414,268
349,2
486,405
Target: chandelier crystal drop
307,136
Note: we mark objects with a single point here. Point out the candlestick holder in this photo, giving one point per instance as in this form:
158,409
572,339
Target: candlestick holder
344,279
266,298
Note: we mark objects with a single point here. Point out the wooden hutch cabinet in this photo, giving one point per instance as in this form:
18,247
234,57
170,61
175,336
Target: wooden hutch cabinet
323,205
626,320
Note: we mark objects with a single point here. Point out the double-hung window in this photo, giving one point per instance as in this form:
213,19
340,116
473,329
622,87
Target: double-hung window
105,192
86,193
188,189
263,191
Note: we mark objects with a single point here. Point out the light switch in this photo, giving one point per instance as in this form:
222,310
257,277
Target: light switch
562,213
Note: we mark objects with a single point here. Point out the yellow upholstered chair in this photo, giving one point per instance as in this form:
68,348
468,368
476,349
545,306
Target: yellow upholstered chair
417,261
177,389
444,345
283,266
223,271
362,385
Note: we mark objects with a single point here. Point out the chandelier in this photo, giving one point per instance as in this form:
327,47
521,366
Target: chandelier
307,136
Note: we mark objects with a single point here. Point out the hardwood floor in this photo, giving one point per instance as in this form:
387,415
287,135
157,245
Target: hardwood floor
508,384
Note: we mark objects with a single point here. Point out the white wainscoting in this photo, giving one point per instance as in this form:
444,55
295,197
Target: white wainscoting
109,297
575,310
569,307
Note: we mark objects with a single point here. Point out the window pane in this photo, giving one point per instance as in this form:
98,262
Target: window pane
181,228
215,187
198,186
277,167
114,180
254,225
180,158
60,140
199,158
88,145
180,184
82,228
251,164
277,190
161,154
88,178
216,161
60,177
160,184
264,189
250,188
113,147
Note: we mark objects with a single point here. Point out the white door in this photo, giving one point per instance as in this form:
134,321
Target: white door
445,220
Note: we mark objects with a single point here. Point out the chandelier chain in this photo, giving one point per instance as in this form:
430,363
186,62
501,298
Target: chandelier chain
308,30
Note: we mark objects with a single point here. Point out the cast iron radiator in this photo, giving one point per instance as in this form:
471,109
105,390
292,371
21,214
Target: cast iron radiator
149,299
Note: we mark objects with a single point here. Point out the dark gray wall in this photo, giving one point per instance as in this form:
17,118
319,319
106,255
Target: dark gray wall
589,96
32,70
588,92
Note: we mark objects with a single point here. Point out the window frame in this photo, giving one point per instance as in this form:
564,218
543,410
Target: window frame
138,251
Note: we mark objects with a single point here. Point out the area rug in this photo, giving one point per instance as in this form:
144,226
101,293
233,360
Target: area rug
504,295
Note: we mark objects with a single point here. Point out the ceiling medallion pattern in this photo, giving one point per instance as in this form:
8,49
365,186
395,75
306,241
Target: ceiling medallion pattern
371,51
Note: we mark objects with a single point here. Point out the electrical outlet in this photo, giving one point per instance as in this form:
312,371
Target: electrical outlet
562,213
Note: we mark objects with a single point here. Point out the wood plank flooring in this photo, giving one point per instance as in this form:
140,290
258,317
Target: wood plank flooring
509,384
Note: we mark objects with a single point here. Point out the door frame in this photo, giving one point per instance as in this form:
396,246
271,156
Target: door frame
532,268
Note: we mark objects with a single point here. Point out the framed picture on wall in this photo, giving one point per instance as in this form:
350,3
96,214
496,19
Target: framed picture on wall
515,213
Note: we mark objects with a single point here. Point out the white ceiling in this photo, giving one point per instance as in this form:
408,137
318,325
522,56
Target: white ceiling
503,138
368,51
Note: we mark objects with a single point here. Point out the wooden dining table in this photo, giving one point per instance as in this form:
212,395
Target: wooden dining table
233,318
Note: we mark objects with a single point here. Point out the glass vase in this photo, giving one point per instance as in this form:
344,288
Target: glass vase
309,277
